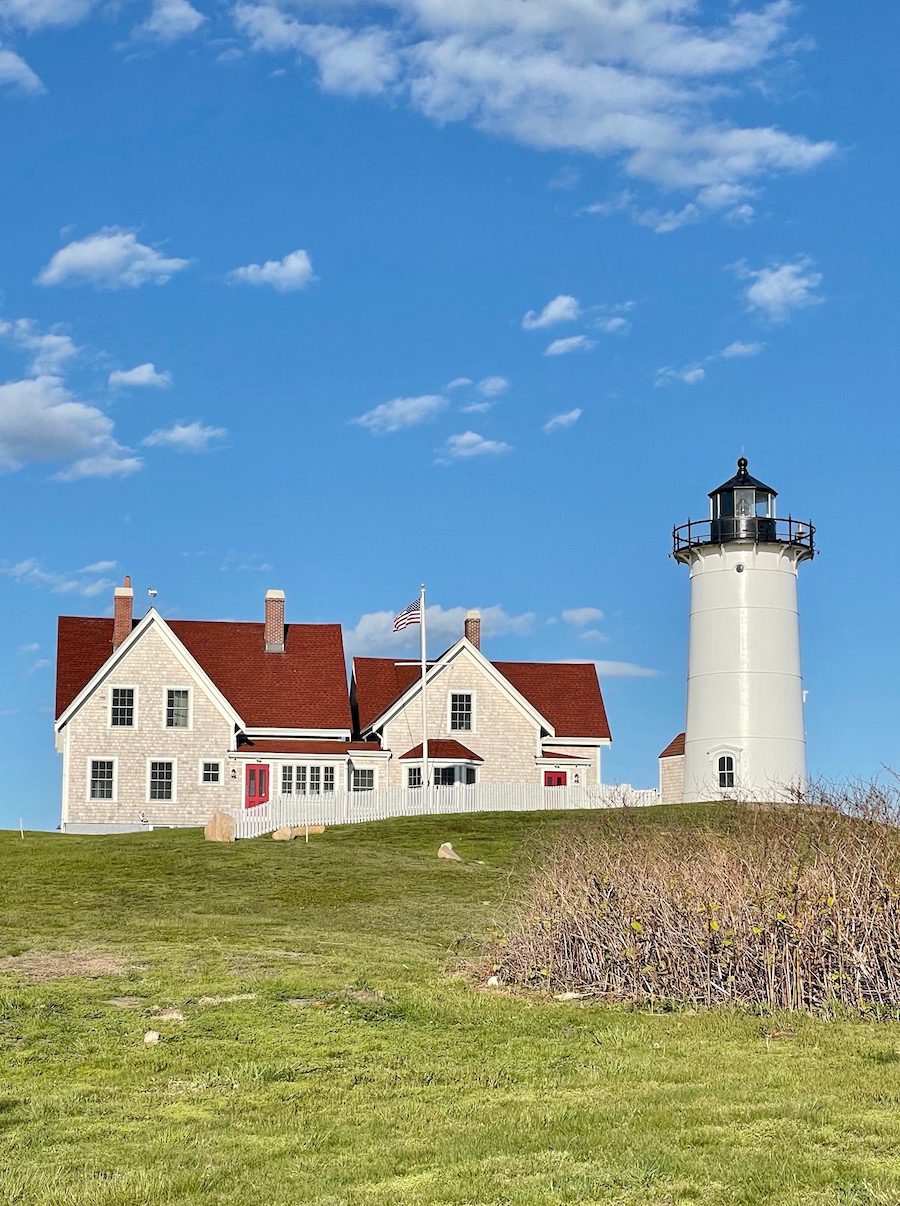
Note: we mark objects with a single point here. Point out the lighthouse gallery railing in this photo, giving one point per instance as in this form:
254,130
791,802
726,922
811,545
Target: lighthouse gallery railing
758,529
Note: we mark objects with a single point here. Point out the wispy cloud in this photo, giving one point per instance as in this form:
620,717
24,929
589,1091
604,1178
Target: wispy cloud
293,272
51,351
492,387
470,444
691,374
579,616
612,324
400,413
16,76
780,288
373,632
170,20
694,373
572,343
142,375
740,350
561,421
185,437
112,258
562,308
458,383
84,582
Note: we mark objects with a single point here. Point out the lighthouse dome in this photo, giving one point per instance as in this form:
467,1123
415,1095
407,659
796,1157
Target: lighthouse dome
743,508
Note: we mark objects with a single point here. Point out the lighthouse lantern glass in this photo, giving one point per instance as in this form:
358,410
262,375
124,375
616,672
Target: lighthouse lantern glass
744,502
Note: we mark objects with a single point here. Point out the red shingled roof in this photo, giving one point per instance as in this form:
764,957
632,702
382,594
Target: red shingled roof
674,748
442,748
304,687
567,694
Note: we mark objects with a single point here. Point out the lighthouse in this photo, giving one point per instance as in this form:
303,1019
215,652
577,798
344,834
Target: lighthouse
744,735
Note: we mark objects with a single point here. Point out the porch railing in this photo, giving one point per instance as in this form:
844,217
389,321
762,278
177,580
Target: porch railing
343,808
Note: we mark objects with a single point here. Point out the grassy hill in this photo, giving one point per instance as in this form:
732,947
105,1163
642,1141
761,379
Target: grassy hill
353,1067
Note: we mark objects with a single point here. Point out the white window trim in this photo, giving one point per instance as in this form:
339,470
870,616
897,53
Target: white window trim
109,707
202,782
373,769
163,758
165,707
473,695
115,781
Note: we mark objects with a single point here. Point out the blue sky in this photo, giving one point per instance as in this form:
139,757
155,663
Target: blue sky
338,297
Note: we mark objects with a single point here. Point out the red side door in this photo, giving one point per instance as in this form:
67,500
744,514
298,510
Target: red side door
554,778
256,784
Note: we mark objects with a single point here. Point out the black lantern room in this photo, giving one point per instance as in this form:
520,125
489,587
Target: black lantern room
743,508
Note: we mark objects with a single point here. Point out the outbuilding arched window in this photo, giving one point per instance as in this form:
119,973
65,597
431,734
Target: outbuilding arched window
726,771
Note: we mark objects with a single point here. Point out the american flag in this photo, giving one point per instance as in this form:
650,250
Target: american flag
409,615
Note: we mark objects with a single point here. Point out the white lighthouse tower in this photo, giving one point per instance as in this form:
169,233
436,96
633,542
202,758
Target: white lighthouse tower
744,736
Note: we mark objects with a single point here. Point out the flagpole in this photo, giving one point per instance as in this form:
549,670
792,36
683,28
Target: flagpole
423,652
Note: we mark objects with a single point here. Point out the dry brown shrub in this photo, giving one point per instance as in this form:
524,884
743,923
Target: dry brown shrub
790,907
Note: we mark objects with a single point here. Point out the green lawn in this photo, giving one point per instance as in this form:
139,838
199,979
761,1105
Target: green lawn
321,1090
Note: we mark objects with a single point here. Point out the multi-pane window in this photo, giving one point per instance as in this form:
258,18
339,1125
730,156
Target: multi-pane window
315,780
363,780
470,775
287,780
726,771
460,712
178,706
445,776
327,778
414,776
121,711
211,772
102,772
301,780
162,780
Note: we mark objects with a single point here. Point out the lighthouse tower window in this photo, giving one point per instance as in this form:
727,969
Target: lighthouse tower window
726,771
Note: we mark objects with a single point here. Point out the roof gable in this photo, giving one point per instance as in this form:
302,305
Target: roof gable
567,694
675,747
303,688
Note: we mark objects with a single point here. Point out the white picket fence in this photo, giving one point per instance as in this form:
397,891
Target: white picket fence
343,808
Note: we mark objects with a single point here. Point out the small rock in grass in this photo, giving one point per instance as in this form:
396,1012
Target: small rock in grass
494,982
235,996
568,996
152,1036
168,1015
447,851
285,834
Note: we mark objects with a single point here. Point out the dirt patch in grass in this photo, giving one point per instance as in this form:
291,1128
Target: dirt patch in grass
40,966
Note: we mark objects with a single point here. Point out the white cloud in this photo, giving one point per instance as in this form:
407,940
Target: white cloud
170,20
613,324
579,616
624,670
593,634
691,374
140,375
84,582
44,14
741,350
652,84
373,632
458,382
562,308
561,421
40,421
16,75
110,259
31,647
400,413
185,437
293,272
470,444
778,289
97,567
492,387
476,408
573,343
51,351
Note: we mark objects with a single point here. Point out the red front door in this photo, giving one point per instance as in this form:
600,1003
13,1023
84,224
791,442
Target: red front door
256,780
554,778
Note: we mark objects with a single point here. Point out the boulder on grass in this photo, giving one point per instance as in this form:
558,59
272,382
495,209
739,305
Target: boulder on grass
219,828
285,834
447,851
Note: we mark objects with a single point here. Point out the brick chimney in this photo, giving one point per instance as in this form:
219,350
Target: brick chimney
274,621
472,628
123,607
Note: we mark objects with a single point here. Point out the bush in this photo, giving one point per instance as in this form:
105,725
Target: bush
786,907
